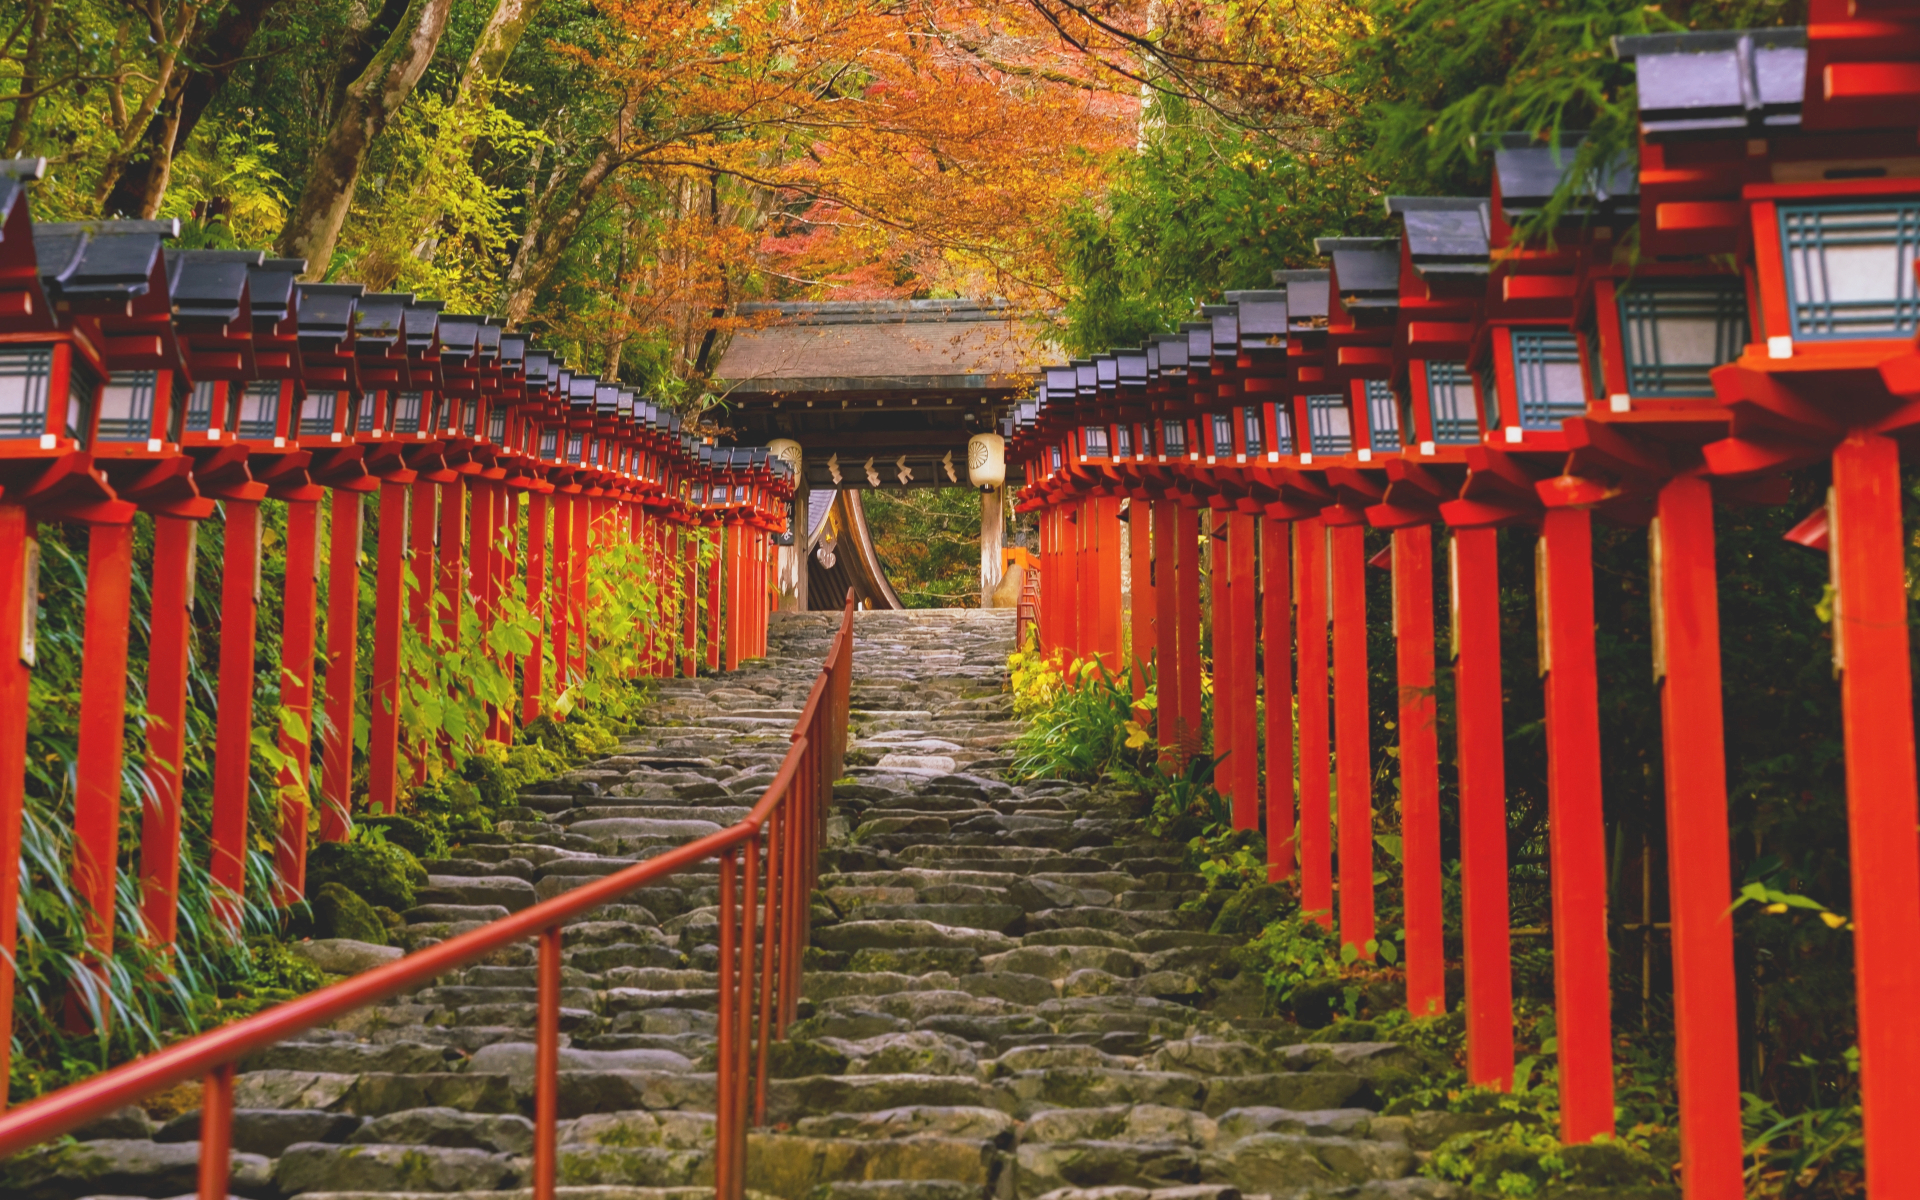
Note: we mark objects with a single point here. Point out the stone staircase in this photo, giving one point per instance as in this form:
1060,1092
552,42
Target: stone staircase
1003,999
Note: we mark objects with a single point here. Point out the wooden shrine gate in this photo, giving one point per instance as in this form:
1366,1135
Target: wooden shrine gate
194,386
1470,376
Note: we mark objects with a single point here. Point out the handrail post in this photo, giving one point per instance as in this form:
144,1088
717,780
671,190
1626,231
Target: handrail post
546,1068
726,1120
216,1132
743,1039
777,822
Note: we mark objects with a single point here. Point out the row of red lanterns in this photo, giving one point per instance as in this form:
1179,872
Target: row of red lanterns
136,378
1479,372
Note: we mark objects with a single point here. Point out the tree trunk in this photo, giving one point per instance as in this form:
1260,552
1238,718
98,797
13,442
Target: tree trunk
369,103
29,82
550,226
169,80
143,184
497,41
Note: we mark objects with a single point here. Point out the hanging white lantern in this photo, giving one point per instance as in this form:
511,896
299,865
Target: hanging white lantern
787,451
986,461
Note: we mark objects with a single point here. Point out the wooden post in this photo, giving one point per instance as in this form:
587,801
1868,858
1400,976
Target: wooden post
1425,950
170,634
450,568
1276,562
1686,629
532,666
1187,629
451,559
103,711
736,590
1168,721
1483,814
1146,633
1316,834
233,723
993,529
690,617
1227,656
343,650
715,595
389,615
1242,701
579,560
299,624
1347,577
1867,549
19,570
420,565
559,616
1576,833
1106,583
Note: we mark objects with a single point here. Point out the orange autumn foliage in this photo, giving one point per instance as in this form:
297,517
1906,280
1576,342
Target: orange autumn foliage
836,149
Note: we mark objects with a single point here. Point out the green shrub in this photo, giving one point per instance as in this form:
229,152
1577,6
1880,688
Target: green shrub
418,838
338,913
375,871
1525,1161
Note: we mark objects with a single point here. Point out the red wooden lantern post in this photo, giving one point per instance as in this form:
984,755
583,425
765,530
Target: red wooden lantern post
111,292
1266,441
1823,213
46,422
540,443
397,350
1442,286
710,507
311,328
1358,298
244,432
1443,279
1217,483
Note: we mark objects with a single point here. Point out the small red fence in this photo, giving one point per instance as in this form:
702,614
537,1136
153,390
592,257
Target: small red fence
767,867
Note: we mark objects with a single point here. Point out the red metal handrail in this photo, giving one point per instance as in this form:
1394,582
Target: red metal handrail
764,896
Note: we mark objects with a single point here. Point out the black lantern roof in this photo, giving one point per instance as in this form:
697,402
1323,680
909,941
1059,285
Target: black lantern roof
580,390
422,323
459,335
1447,236
379,317
1106,371
211,287
1306,298
270,289
100,264
488,344
1528,173
1132,366
1199,336
513,349
1225,323
328,312
1368,270
1172,348
1723,83
1262,316
1086,377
